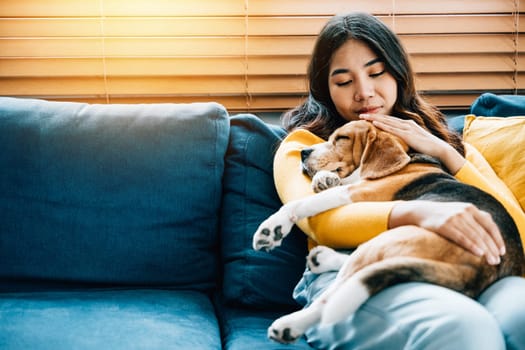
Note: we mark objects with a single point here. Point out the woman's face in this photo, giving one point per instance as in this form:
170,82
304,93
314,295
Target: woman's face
359,83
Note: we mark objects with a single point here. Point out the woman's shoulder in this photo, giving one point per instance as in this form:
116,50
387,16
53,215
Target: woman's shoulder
302,137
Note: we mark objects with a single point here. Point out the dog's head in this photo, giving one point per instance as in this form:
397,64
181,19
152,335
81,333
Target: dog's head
357,145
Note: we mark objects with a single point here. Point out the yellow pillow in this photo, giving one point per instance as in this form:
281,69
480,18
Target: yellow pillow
502,143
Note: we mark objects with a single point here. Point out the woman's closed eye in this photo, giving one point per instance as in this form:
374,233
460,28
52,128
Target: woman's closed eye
371,75
378,74
347,82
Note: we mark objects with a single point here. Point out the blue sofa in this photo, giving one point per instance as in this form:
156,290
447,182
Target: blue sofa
130,227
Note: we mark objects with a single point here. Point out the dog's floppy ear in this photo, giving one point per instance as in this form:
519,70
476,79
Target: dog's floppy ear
384,154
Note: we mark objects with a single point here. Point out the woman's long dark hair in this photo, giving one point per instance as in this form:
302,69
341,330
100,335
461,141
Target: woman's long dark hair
318,113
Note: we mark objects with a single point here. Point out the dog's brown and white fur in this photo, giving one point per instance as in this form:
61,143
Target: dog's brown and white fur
362,163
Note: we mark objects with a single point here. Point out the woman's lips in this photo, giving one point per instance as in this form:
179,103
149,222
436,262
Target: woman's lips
368,110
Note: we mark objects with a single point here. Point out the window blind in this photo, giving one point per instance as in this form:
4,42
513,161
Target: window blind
247,55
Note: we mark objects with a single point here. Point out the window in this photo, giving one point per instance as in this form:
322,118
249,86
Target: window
247,55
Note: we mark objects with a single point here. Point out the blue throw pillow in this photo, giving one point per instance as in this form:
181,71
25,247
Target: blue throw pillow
490,105
253,278
110,194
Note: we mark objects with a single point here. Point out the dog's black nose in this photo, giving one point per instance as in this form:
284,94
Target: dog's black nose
305,153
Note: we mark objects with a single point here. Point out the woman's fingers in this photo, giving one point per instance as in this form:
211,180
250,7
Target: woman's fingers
414,135
390,122
468,242
481,231
485,219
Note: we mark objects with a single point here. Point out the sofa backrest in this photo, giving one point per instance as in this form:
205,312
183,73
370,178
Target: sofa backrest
110,194
255,279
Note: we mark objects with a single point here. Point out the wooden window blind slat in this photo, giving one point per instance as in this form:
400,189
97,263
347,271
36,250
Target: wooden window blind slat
66,8
231,66
235,46
235,26
247,54
222,85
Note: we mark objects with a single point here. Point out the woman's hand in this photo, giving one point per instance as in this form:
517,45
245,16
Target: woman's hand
462,223
418,139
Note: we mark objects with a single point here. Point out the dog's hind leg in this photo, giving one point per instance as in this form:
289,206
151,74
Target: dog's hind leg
322,259
289,328
355,290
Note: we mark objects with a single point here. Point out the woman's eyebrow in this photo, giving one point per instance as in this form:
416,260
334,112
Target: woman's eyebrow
372,62
367,64
340,71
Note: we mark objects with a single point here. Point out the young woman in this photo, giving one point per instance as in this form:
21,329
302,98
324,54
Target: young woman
359,70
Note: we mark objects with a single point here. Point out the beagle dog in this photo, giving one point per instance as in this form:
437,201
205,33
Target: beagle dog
362,163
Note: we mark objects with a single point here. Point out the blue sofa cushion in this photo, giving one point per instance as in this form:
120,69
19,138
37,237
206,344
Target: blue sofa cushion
110,319
252,278
110,194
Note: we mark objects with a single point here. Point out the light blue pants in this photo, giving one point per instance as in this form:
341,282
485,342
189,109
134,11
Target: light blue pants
424,316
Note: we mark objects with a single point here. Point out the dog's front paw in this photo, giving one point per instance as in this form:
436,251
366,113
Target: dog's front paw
324,180
322,259
272,231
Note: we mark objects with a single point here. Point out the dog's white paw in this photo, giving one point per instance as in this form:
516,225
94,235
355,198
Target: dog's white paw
324,180
322,259
286,329
272,231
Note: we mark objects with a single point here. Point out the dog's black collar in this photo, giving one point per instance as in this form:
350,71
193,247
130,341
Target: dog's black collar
425,158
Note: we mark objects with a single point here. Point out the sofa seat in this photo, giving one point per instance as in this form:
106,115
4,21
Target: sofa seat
108,319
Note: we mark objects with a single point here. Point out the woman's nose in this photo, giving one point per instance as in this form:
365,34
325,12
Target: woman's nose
364,89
